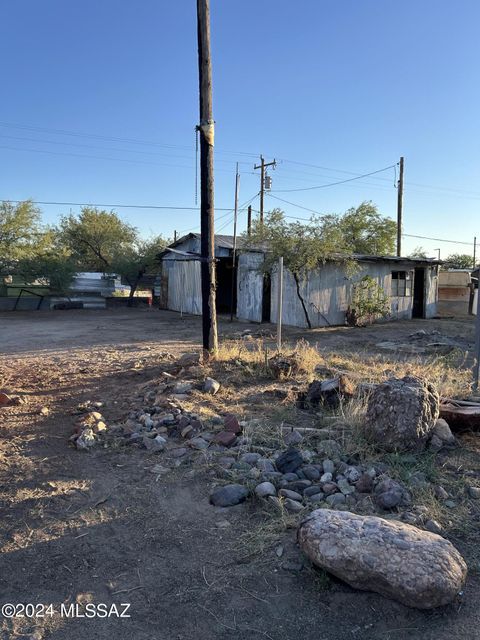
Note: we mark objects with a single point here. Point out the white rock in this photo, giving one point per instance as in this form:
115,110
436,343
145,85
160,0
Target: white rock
415,567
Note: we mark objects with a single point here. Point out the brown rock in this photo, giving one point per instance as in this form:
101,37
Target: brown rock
231,424
225,438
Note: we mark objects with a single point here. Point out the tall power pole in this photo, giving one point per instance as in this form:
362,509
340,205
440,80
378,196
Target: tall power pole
262,166
400,209
475,252
234,251
206,131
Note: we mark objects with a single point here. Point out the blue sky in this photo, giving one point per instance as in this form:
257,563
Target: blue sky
330,88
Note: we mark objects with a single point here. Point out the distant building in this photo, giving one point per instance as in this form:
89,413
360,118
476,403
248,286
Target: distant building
411,284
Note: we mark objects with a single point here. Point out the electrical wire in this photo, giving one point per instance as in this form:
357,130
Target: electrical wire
113,206
332,184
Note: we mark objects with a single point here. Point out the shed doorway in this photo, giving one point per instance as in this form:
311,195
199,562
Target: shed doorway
224,285
418,310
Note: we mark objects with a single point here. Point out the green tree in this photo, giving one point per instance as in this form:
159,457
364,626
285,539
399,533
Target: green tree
21,234
137,259
94,238
458,261
418,253
302,246
366,231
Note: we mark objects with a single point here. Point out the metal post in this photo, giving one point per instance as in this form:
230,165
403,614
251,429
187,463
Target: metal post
234,252
476,368
280,304
249,220
475,252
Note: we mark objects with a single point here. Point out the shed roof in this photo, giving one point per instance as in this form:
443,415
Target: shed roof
226,242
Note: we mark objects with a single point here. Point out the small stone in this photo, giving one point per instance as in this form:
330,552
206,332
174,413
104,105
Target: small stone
326,477
187,431
44,411
364,483
182,388
336,499
4,400
352,474
279,551
99,427
443,432
211,386
86,439
329,488
154,444
313,490
440,492
451,504
250,457
265,489
292,505
287,493
231,424
390,494
298,485
292,438
311,473
178,453
434,527
290,477
225,438
229,495
265,465
344,486
317,497
474,492
289,461
198,443
328,466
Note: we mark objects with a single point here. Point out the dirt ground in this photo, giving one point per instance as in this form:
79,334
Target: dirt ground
100,527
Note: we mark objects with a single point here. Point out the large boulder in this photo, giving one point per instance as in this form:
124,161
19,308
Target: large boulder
418,568
401,414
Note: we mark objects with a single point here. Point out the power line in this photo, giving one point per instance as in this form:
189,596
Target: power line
409,235
332,184
115,206
294,205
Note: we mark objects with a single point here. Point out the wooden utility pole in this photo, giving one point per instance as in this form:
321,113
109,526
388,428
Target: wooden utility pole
234,252
206,131
400,209
475,252
249,220
262,166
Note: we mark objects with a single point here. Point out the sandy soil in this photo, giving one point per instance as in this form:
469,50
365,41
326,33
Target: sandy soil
100,527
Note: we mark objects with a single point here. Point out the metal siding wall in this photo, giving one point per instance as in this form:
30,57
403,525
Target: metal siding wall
249,287
184,287
431,291
327,293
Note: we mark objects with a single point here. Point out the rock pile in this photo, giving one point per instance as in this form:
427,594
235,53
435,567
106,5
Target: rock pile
417,568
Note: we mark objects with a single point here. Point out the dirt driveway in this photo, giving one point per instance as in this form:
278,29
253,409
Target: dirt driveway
100,527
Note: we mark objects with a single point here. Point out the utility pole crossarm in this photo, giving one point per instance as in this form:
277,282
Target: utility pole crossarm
262,166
